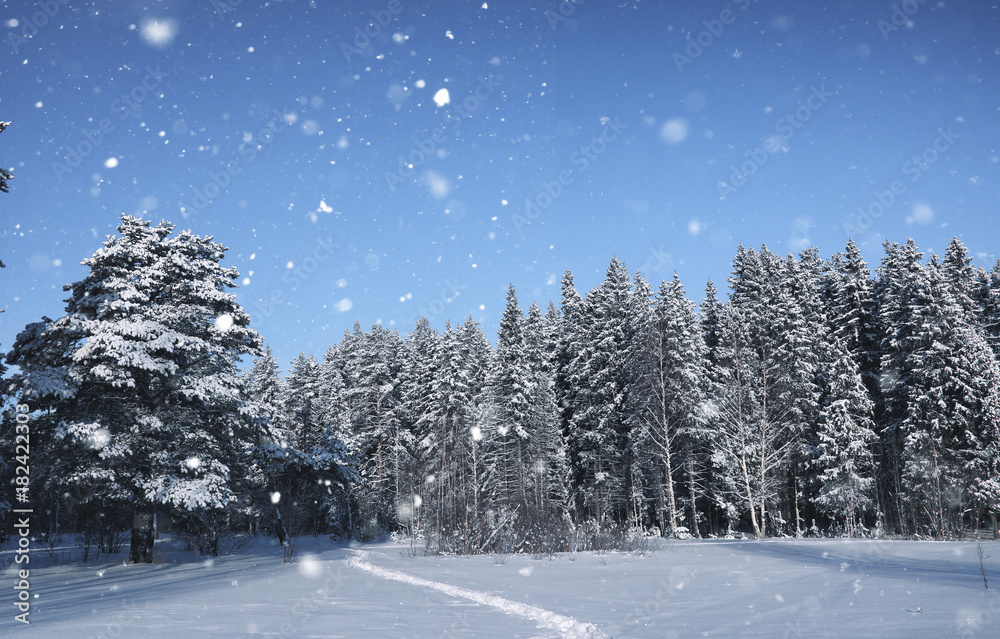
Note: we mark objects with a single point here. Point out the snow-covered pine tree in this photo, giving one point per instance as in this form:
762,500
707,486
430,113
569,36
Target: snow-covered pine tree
547,449
708,320
139,378
975,391
510,389
751,421
901,278
568,339
959,276
951,371
337,456
374,369
452,501
846,432
718,507
475,354
306,465
262,409
806,360
642,475
669,391
598,434
849,295
419,433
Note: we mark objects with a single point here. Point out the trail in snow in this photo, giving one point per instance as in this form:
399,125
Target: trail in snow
568,627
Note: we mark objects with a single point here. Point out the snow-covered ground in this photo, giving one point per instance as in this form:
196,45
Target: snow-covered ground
777,588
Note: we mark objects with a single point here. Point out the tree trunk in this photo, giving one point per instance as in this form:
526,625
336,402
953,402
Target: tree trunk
795,501
141,548
692,493
668,472
279,527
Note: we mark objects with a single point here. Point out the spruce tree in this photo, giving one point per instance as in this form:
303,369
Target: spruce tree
598,433
510,389
846,433
386,446
901,282
568,337
263,409
749,413
139,377
670,386
849,296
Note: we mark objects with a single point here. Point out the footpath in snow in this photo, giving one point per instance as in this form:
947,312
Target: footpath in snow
567,627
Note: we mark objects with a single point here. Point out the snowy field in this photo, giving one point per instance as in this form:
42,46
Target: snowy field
777,588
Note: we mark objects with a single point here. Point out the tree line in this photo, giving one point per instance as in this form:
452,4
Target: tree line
817,399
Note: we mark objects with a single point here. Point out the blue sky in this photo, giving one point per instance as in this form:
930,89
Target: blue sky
662,132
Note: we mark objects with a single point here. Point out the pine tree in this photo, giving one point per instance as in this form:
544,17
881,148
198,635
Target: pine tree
300,402
386,446
642,475
850,298
948,362
145,355
305,466
262,408
959,278
547,448
976,392
751,420
715,483
453,499
901,280
338,456
476,355
708,319
669,360
598,433
846,463
568,338
510,389
805,362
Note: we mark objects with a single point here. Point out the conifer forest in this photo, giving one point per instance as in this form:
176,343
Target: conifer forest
817,396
